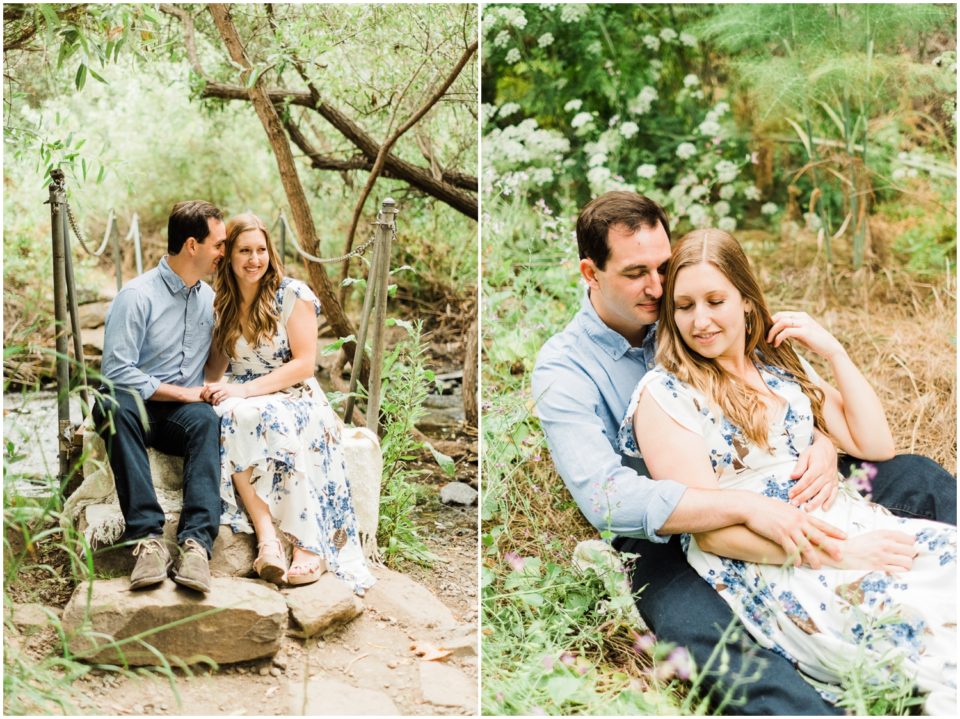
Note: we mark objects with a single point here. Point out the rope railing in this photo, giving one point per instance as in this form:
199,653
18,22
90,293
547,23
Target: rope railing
65,300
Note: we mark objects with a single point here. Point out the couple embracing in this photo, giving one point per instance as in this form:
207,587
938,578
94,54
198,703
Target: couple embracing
682,418
262,448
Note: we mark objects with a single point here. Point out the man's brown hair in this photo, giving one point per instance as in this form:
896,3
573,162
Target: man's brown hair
615,208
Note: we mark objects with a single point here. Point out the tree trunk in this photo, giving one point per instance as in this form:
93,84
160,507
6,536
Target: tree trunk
299,208
470,359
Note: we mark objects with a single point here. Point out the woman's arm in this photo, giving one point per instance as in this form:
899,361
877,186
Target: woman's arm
854,414
729,523
216,364
302,335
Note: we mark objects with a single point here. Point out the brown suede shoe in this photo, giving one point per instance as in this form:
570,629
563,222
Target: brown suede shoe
194,569
153,563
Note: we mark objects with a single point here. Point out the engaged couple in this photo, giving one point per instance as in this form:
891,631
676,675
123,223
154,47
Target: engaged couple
682,418
262,448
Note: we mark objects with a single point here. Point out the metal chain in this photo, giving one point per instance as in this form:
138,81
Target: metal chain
76,232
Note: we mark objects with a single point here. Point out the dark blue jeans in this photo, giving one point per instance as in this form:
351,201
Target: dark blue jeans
680,607
191,431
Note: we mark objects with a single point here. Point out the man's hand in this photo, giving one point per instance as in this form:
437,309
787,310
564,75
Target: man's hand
818,481
216,392
802,536
882,550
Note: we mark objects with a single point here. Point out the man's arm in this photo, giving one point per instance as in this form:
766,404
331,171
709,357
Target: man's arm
123,336
611,496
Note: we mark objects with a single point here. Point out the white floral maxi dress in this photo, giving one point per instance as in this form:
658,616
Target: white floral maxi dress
291,439
829,620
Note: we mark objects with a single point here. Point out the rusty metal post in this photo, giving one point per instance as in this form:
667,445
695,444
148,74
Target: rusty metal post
73,306
386,222
58,211
361,343
134,234
115,246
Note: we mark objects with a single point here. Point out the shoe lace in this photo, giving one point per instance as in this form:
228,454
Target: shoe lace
148,546
192,545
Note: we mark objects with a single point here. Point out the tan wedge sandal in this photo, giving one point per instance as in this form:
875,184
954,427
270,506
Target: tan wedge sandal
271,562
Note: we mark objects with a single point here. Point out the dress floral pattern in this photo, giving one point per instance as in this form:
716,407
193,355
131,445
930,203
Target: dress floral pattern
291,439
824,621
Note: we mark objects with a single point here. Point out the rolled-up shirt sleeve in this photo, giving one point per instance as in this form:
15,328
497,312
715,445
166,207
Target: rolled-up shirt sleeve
124,334
611,496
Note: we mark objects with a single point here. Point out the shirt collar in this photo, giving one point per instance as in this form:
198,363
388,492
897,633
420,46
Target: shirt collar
611,341
173,281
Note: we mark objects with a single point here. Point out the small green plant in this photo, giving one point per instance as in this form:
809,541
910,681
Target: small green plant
405,388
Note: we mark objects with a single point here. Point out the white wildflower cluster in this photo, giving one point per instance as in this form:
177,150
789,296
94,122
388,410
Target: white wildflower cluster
752,192
598,176
769,208
513,56
726,171
573,105
727,224
698,191
573,13
523,146
909,164
502,38
686,150
812,221
726,192
541,176
721,208
691,80
688,39
641,104
597,159
709,128
647,171
614,121
651,41
699,216
545,40
629,129
668,34
507,109
487,112
581,119
514,16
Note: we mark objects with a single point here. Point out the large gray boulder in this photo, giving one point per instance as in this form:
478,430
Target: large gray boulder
238,620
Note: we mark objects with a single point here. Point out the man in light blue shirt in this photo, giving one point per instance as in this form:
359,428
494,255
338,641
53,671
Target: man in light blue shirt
156,341
582,382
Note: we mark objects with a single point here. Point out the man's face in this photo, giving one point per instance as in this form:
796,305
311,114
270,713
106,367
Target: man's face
626,292
210,251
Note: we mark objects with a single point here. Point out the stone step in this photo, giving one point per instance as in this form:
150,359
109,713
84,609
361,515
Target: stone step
238,620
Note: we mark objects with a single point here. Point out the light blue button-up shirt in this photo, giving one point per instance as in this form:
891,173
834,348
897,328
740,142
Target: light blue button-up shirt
158,330
582,383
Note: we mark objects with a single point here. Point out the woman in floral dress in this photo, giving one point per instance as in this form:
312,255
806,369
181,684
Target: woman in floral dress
280,453
730,406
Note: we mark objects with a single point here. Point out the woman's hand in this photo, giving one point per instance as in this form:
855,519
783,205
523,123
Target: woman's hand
818,481
216,392
882,550
806,330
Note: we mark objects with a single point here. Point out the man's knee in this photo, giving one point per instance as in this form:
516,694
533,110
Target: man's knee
913,486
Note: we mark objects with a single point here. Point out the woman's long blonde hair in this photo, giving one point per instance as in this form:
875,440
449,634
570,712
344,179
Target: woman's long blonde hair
735,400
263,315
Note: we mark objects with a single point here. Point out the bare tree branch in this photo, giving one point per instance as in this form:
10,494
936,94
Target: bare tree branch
391,141
416,176
189,35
